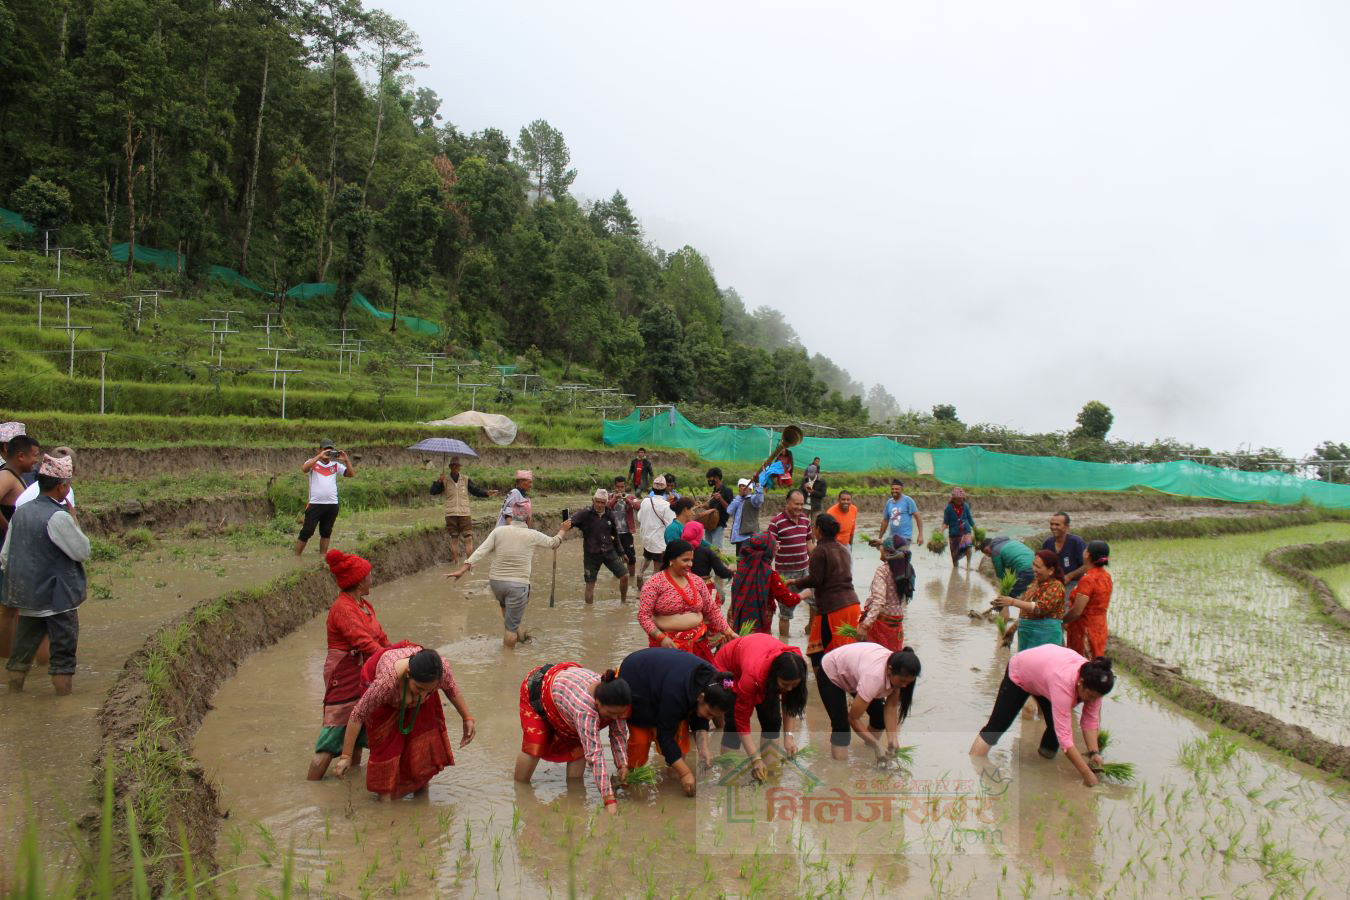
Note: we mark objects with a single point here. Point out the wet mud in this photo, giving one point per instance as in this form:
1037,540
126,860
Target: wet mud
1251,825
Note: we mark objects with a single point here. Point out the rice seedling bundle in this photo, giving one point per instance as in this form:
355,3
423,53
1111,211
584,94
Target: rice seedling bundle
904,755
847,631
980,534
747,628
727,759
1116,772
937,543
1006,582
643,774
1103,738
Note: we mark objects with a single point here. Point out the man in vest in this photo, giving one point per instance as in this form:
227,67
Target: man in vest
744,512
43,558
458,519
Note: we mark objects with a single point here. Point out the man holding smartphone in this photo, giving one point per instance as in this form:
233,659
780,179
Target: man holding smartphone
323,469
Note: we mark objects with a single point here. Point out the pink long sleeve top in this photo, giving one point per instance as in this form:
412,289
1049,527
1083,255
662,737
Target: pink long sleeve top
662,597
387,690
1051,671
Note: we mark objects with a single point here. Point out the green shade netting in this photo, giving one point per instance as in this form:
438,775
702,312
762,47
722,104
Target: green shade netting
12,221
160,259
327,289
977,467
230,276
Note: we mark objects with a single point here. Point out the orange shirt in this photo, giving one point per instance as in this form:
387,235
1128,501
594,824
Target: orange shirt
847,522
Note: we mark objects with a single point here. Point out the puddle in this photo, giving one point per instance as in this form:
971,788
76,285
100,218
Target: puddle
1251,827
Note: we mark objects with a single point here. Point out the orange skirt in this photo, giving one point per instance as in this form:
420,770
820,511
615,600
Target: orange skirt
691,640
640,742
1085,627
825,635
547,737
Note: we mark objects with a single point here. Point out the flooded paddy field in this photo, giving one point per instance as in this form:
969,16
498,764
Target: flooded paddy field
1338,579
1235,627
1209,814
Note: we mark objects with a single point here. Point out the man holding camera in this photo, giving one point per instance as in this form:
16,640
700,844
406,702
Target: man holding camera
323,469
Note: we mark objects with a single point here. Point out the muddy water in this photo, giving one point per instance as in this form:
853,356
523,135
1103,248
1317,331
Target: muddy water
129,598
1250,826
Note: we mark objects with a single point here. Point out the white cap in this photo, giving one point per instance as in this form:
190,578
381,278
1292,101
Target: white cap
601,494
660,481
744,482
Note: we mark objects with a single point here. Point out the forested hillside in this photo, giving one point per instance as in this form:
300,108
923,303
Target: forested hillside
288,140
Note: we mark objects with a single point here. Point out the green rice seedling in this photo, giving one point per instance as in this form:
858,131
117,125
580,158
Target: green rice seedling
1103,739
727,759
937,543
805,752
980,534
847,631
1006,582
747,628
1117,772
904,755
643,774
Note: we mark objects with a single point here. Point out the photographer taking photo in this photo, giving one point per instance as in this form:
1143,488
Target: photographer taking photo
323,469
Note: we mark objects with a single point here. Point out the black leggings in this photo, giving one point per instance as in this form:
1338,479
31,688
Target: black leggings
770,715
322,515
1007,705
836,701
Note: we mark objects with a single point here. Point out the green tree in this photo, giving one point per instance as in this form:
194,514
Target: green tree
945,412
613,217
394,49
663,365
47,206
1094,421
408,230
542,150
351,230
1333,452
688,286
298,224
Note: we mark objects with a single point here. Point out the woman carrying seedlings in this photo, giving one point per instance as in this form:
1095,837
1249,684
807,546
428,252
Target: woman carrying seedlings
830,573
1086,618
770,682
563,709
404,721
960,527
867,689
354,635
677,609
1042,605
757,589
674,694
1059,680
883,615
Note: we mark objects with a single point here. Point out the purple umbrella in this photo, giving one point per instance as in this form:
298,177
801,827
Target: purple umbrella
450,446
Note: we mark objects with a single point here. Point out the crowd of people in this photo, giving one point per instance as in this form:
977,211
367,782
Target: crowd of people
706,667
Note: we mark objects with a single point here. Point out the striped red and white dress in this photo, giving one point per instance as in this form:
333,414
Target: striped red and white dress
575,703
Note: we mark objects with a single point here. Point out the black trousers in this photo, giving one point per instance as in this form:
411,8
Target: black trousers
64,631
770,715
322,515
1007,705
836,701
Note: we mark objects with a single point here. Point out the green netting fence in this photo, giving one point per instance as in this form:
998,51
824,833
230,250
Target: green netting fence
327,289
977,467
12,221
167,260
227,275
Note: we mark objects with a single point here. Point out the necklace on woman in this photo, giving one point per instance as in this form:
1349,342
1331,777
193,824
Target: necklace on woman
692,603
403,705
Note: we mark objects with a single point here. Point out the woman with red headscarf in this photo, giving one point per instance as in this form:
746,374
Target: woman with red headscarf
354,635
1042,606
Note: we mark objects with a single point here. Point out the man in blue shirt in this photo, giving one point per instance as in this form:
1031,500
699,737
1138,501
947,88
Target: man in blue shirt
743,513
1068,546
901,515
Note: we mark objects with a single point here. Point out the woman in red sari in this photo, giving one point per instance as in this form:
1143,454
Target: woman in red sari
563,709
404,721
677,609
1085,622
354,635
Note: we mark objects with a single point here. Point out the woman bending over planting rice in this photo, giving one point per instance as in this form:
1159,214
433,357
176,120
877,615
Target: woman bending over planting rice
404,721
1041,606
563,709
678,610
1059,680
770,682
1086,619
354,635
675,694
868,690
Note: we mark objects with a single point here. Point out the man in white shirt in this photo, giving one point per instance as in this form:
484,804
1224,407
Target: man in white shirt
324,469
653,516
512,547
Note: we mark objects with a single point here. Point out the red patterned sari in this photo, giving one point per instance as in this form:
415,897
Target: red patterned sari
403,763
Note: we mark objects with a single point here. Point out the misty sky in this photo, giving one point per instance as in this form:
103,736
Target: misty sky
1014,207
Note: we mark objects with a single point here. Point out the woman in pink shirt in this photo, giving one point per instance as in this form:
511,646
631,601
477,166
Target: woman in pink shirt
678,610
881,684
1059,680
771,682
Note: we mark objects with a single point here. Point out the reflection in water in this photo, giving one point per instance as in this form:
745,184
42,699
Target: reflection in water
478,831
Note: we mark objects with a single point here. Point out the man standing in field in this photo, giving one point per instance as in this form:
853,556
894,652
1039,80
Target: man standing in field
458,517
719,500
1069,547
653,516
900,517
791,529
846,514
324,469
512,549
743,513
43,559
640,472
600,545
623,510
8,432
24,456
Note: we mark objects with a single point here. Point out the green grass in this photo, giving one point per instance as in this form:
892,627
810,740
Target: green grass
1338,579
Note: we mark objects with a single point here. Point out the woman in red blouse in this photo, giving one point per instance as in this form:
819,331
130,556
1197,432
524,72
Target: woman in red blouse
354,635
677,609
1085,622
770,682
